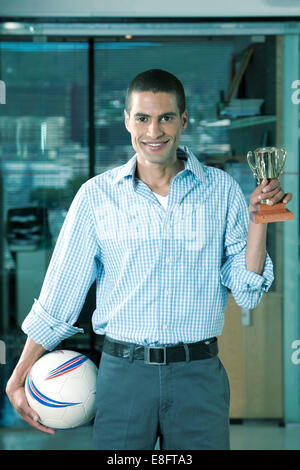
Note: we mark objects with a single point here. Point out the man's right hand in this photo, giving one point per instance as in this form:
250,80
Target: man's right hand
15,386
17,397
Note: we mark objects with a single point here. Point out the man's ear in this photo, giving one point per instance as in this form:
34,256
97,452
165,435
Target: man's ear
126,116
184,118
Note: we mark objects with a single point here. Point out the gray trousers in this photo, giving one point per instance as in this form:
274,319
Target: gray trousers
185,403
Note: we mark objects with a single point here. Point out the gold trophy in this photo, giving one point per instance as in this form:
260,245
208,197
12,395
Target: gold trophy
268,162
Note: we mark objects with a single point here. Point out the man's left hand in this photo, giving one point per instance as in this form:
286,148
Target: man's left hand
268,189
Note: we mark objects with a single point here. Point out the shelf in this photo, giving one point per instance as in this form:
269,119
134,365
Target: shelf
251,121
225,158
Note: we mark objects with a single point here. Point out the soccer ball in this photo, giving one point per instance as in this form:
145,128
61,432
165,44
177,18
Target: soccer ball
61,388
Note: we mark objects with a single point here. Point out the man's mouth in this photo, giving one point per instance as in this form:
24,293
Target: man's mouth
155,145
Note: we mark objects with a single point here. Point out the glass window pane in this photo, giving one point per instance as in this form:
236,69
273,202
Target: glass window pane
201,65
44,158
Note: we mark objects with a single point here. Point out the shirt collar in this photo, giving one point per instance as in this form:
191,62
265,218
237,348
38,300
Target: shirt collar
183,153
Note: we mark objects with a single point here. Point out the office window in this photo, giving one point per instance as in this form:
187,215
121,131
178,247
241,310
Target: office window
201,65
44,160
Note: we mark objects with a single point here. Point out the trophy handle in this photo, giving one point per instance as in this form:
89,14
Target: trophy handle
283,160
255,169
249,155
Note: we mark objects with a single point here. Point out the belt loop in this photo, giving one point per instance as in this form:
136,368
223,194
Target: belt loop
131,352
187,352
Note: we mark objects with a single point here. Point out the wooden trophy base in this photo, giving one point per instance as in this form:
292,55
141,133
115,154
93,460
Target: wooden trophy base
275,213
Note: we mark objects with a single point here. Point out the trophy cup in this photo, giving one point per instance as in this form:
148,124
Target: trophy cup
268,162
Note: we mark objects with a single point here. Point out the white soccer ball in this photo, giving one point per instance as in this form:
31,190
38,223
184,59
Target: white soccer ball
61,388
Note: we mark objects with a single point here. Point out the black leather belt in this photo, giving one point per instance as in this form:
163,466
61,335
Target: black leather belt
162,355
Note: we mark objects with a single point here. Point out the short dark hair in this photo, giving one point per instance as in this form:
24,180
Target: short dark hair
157,81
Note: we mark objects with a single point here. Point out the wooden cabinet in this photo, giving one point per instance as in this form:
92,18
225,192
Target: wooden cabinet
252,356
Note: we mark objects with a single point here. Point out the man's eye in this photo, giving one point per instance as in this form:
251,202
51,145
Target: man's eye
166,118
141,119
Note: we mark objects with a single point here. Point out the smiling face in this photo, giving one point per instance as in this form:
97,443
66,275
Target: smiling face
155,125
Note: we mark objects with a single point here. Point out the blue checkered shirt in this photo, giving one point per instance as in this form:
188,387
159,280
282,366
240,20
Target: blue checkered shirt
162,276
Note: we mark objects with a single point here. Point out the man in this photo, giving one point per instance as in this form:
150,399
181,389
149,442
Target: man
164,236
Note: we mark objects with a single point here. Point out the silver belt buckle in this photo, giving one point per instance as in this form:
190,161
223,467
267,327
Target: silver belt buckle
147,355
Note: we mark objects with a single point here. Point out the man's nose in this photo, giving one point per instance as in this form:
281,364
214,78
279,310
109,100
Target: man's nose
154,129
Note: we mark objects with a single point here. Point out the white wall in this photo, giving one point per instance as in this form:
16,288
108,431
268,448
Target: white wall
153,8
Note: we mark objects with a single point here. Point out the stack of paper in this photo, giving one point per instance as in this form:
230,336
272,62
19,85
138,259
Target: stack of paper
242,107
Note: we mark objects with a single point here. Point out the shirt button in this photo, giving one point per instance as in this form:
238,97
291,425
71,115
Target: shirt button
166,292
165,327
168,225
168,260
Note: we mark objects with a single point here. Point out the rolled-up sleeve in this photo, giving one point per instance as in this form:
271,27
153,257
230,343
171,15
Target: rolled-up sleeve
247,287
71,272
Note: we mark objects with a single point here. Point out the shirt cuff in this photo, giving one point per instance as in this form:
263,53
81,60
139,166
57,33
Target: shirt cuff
244,280
256,281
46,330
